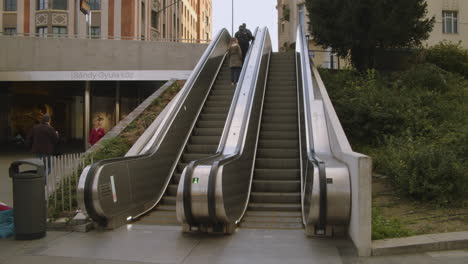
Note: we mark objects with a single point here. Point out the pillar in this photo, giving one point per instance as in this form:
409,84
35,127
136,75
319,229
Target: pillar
117,103
87,112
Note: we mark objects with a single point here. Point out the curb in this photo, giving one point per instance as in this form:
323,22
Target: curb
422,243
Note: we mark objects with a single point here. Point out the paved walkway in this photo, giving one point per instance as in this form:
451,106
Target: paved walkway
156,244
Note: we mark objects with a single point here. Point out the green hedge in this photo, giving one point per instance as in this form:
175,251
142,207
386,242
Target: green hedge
413,123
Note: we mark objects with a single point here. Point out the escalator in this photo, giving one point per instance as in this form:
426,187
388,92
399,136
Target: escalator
284,163
202,142
275,200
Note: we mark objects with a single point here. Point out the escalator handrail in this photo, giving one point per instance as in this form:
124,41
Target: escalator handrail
87,180
311,141
220,156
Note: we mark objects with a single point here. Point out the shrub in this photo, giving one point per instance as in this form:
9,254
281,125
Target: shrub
424,170
413,123
448,56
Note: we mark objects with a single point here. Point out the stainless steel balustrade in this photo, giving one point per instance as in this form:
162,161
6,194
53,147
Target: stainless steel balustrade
326,187
117,190
214,192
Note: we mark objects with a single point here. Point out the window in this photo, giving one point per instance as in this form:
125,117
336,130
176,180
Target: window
95,4
42,4
449,22
9,31
10,5
95,32
57,31
154,19
60,4
282,27
41,32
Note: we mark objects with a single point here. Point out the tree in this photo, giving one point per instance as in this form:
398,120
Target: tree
359,27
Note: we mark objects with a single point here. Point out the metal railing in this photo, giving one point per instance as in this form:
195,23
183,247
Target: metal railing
70,36
61,181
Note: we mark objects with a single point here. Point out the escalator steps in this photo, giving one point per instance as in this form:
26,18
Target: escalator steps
202,143
275,201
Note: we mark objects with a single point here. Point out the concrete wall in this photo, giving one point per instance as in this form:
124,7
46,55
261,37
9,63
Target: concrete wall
49,54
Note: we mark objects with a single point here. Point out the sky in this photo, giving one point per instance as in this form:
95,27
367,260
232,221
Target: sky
261,13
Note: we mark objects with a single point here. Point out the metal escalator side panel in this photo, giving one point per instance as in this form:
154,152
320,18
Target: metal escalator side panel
183,199
325,180
185,204
234,178
119,189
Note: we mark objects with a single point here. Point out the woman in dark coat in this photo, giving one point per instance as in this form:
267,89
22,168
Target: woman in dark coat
235,60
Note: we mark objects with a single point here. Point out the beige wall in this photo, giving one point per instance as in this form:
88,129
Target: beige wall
61,54
435,8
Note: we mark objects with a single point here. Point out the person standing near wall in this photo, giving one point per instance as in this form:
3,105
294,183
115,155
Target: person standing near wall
235,60
97,132
42,139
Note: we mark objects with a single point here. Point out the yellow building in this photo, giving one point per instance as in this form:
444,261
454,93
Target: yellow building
173,20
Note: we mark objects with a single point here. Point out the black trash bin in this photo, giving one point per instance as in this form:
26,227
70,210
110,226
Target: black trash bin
29,201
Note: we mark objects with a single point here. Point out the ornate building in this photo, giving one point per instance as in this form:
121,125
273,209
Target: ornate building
173,20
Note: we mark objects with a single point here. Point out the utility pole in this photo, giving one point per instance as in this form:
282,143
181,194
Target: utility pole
232,16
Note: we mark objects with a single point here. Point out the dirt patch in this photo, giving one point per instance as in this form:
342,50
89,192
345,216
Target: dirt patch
417,217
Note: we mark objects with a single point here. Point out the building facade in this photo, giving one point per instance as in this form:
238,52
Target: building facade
451,21
174,20
451,24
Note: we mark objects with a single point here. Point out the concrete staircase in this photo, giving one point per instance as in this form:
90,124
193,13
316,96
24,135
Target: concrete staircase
202,143
275,201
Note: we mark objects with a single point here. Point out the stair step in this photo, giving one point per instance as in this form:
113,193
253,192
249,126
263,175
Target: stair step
188,157
208,140
282,105
274,207
273,197
176,177
294,144
279,126
273,214
213,117
229,92
280,99
217,104
276,186
272,153
281,93
168,200
208,132
255,225
280,112
280,119
278,135
210,123
202,148
166,207
172,189
216,109
277,174
272,219
180,167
